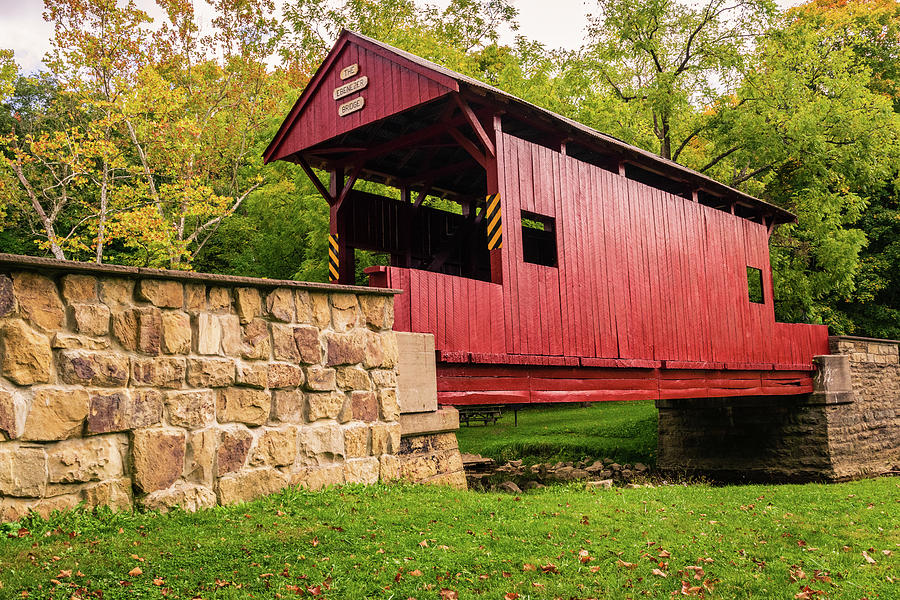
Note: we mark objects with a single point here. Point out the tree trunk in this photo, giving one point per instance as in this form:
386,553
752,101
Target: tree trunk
104,195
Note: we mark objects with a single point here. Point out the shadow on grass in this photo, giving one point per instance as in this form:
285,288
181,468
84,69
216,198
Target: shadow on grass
622,431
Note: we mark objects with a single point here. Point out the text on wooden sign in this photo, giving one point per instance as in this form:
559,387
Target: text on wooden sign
351,107
349,88
350,71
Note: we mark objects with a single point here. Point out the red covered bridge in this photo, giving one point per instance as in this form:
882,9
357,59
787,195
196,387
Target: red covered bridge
571,266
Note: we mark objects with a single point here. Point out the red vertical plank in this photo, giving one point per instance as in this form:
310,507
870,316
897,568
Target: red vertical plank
561,199
593,214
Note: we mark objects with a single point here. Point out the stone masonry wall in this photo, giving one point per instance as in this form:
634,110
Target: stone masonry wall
848,428
124,386
865,435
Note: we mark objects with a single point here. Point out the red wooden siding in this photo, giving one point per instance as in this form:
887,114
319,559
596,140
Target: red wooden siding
645,279
392,88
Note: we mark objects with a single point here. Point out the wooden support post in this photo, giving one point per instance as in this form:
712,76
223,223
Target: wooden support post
406,216
346,267
492,167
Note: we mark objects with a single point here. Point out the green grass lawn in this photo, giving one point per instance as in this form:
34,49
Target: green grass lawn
413,541
622,431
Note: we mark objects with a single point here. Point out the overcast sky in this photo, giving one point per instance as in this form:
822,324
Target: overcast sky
555,23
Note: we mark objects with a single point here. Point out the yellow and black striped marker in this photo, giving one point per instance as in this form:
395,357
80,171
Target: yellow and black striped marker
494,225
333,262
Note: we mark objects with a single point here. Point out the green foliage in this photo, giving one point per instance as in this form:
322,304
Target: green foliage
409,541
623,431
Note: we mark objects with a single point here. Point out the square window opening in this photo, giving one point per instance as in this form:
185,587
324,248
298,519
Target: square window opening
755,285
539,239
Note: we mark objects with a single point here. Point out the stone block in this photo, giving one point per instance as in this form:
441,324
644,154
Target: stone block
26,354
324,405
89,459
317,478
13,411
231,454
353,378
443,420
284,375
38,301
320,379
165,371
283,344
139,329
232,341
344,348
374,350
385,438
210,372
280,305
67,341
832,374
303,305
186,496
374,309
384,378
56,414
243,405
116,292
109,411
115,494
247,303
321,309
362,470
90,319
356,440
389,468
306,339
79,289
276,447
390,351
200,456
219,299
157,458
23,471
191,409
364,406
318,444
255,340
146,408
161,293
247,485
208,334
387,404
254,374
176,333
288,406
194,297
7,296
345,314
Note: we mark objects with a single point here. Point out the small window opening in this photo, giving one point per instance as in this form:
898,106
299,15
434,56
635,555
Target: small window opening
539,239
755,285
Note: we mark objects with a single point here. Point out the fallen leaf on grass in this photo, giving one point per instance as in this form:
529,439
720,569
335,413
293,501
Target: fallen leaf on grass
584,556
549,568
448,594
659,573
797,574
595,569
424,543
868,558
315,541
690,590
135,572
511,596
64,573
699,573
664,554
622,563
415,573
807,593
529,567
